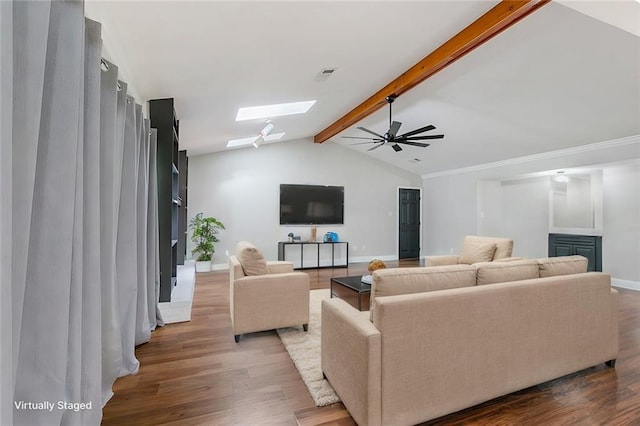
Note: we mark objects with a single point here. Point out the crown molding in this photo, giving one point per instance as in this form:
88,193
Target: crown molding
629,140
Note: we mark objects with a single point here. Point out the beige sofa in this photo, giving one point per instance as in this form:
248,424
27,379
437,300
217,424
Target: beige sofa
476,249
441,339
264,295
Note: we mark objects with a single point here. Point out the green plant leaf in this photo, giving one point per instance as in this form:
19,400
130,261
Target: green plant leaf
203,235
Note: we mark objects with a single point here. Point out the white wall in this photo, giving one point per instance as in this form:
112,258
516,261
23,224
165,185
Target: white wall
525,205
491,200
241,188
621,230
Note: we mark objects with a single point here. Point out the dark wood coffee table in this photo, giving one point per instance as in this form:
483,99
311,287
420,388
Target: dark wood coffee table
352,290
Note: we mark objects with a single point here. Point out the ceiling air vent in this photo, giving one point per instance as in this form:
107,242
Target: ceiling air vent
324,74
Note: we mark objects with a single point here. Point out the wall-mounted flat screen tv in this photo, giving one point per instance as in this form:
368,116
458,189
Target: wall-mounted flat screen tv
311,205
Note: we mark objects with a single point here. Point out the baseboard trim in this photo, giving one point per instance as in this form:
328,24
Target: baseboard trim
631,285
363,259
219,266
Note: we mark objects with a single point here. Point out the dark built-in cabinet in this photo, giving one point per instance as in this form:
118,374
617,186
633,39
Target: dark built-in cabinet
589,246
183,173
172,193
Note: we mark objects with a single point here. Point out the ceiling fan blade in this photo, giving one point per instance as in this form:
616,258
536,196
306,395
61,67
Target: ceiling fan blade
356,137
376,147
422,138
366,143
369,131
421,145
420,130
393,129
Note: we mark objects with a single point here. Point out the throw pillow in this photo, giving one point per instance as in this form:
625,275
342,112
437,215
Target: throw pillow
251,259
473,252
503,249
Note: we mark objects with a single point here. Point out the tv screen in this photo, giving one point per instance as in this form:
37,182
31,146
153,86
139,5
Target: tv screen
311,205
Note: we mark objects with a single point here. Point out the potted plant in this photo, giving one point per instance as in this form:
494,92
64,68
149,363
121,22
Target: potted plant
204,231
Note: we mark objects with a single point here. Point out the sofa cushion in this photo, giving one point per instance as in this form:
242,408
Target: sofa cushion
504,246
562,265
251,259
507,259
477,251
500,272
394,281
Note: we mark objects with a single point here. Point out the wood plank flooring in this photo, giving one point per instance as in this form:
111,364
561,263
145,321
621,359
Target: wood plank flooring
194,373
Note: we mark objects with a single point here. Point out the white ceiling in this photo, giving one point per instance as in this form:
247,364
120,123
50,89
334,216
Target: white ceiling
557,79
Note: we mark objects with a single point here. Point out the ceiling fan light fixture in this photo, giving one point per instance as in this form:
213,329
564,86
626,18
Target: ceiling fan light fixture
267,129
257,142
253,140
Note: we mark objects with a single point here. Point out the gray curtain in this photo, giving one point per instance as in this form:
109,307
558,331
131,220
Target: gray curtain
79,219
6,129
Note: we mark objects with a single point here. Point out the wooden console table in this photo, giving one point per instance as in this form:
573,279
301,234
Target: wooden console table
282,255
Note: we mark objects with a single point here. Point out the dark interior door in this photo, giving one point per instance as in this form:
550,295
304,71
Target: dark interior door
409,224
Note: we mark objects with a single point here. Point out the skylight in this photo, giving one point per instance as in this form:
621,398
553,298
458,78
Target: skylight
233,143
276,110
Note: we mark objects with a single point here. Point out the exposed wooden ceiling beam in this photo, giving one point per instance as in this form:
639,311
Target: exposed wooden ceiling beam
496,20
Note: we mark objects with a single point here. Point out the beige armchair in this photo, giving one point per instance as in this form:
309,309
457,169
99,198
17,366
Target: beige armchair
476,249
265,295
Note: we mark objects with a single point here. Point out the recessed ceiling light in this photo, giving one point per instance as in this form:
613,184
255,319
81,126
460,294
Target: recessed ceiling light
233,143
276,110
561,177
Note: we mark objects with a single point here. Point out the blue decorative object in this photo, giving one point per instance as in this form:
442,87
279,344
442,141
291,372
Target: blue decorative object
331,237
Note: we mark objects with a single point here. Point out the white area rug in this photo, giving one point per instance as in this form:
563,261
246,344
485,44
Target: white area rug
304,350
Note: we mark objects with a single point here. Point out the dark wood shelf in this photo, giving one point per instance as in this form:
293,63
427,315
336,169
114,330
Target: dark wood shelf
171,201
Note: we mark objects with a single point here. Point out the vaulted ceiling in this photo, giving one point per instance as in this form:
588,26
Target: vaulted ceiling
557,79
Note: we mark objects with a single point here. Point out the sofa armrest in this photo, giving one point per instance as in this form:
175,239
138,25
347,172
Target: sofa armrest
264,302
279,266
351,359
447,259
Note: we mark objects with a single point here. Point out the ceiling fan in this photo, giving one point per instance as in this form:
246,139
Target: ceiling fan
391,136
